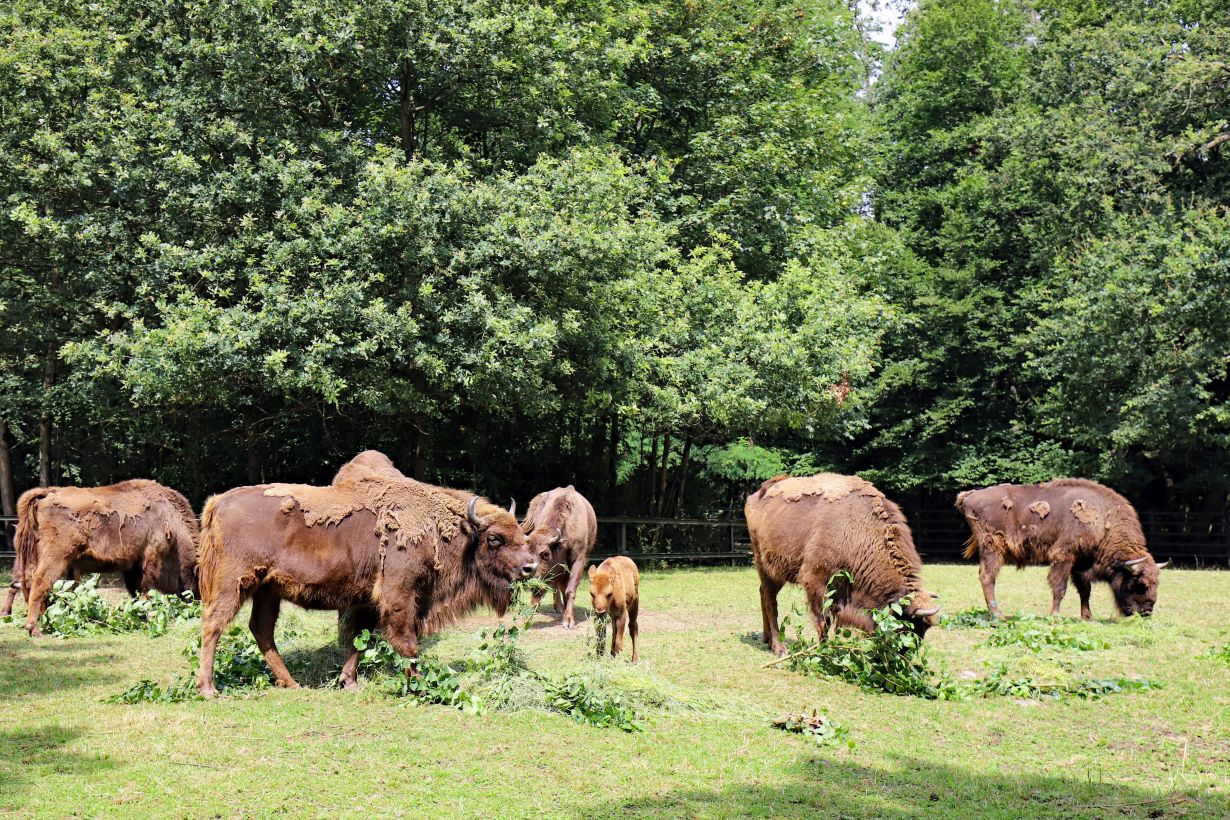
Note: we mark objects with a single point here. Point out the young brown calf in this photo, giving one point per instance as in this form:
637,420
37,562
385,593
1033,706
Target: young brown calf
614,587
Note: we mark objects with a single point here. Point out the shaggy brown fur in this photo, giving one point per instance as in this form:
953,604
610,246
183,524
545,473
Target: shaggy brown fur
614,587
1082,529
805,530
562,529
384,549
139,528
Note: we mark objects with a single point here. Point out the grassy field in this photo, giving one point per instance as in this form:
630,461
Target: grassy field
324,752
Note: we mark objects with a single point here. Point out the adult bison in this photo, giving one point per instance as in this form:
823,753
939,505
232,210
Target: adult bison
1082,529
805,530
139,528
561,528
385,550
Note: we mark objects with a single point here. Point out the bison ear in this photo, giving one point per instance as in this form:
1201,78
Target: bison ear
591,571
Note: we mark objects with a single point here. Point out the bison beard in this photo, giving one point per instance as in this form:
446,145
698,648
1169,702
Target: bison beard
1082,529
561,528
139,528
383,549
805,530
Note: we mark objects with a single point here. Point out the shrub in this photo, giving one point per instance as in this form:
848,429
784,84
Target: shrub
998,683
968,618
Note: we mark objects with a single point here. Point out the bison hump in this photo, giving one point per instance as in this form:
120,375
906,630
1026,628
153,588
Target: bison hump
826,486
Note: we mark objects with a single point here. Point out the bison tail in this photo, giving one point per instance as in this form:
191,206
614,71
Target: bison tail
971,547
764,488
25,540
209,553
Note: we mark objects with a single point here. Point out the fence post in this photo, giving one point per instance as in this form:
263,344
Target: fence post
623,538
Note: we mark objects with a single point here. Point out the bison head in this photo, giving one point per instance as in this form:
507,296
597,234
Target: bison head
501,553
923,612
545,544
1134,583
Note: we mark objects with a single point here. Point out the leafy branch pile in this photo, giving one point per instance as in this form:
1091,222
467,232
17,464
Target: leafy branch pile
821,729
1036,634
77,608
238,667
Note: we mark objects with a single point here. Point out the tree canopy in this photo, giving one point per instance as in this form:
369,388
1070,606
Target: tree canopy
657,249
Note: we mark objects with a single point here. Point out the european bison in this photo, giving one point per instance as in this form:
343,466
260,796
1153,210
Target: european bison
1079,527
139,528
805,530
383,549
562,528
614,587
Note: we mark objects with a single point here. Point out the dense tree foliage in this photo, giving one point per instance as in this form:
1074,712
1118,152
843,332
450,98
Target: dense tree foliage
658,249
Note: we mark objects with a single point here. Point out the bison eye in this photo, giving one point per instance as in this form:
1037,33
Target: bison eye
495,541
1140,588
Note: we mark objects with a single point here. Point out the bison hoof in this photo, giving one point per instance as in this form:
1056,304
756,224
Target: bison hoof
209,692
34,631
568,624
780,650
350,685
286,684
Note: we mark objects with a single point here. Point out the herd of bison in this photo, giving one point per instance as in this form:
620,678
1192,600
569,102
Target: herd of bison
395,554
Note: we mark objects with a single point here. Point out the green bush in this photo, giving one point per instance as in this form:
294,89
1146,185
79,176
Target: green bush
1221,654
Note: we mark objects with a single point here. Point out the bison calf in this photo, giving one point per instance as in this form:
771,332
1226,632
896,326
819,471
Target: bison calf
614,587
806,530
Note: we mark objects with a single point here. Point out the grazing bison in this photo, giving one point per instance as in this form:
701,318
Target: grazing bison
561,528
139,528
384,550
614,587
1078,527
804,530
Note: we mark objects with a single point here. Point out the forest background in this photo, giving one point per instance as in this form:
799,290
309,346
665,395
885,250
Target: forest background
657,249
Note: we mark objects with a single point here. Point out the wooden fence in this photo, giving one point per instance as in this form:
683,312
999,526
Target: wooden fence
1190,539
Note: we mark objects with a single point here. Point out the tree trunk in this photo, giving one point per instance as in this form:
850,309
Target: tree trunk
682,483
613,455
254,456
8,498
405,110
666,463
652,473
44,423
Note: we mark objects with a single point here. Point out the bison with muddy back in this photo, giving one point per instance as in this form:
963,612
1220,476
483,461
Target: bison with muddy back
388,552
1081,529
806,530
139,528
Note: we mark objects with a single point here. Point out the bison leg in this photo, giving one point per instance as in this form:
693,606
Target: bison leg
989,564
1058,578
1083,578
354,621
132,581
8,600
570,589
403,635
266,603
618,624
768,614
820,618
48,570
632,628
216,615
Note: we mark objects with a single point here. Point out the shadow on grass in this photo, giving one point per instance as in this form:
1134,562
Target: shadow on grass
580,615
38,665
831,787
33,757
754,640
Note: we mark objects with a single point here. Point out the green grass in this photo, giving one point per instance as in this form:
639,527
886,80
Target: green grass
709,750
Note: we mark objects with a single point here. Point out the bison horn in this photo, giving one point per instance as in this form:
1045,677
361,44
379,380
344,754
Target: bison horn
926,613
1163,565
512,508
474,519
1134,564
